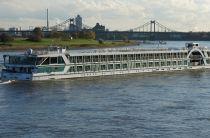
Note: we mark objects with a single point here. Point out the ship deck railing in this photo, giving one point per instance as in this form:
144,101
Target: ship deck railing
128,51
116,50
45,52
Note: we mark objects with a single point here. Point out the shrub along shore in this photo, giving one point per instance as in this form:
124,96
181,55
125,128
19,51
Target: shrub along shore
82,39
23,44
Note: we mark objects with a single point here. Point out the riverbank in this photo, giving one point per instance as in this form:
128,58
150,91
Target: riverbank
23,44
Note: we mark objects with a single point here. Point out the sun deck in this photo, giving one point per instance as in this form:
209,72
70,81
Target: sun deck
125,51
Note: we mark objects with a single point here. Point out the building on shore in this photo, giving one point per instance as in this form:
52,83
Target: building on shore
78,22
99,28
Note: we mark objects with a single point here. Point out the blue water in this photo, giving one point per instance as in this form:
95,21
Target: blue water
175,104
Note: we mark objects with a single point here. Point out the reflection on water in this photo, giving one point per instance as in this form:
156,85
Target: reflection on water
149,105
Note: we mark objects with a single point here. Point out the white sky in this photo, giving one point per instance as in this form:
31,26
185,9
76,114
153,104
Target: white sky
180,15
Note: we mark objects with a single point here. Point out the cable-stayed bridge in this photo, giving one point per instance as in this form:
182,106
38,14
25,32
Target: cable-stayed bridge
151,26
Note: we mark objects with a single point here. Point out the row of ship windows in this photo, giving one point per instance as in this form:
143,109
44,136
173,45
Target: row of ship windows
99,58
50,60
96,67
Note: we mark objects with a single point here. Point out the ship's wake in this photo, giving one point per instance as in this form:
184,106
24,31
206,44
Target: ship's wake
5,82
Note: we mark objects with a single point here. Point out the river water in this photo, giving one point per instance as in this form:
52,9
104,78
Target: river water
175,104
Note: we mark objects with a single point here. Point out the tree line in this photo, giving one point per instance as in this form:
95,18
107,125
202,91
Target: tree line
37,35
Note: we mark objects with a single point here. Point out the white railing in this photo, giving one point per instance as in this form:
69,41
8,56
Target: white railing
114,50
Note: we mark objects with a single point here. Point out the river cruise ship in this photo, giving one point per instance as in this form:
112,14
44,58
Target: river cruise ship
58,63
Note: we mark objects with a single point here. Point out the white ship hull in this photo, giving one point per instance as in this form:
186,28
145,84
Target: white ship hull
110,73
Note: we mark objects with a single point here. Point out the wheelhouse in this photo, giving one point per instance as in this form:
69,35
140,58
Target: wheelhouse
20,63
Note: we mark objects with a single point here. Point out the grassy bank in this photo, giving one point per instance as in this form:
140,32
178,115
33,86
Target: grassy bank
22,44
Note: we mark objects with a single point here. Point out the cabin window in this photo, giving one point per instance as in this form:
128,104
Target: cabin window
168,63
87,68
46,62
144,65
103,58
87,58
125,57
164,55
58,68
95,59
172,55
157,64
138,65
117,66
72,69
79,68
53,60
138,57
168,55
39,60
110,66
181,55
185,55
128,57
73,59
103,67
151,56
23,60
150,64
178,55
94,67
111,58
60,60
125,66
157,56
161,56
175,55
79,59
207,61
143,56
117,57
133,57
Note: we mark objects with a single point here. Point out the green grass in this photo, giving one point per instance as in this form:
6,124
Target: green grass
21,43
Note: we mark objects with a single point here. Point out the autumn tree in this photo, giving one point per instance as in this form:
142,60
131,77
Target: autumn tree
6,38
86,34
36,35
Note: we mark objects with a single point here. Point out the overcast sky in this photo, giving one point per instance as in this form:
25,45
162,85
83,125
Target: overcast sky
180,15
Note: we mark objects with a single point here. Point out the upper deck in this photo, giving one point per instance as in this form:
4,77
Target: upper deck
56,51
116,51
